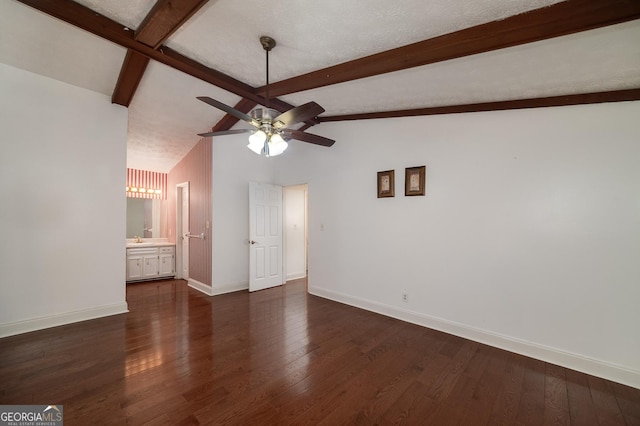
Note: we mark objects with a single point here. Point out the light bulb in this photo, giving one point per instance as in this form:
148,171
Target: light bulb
277,145
256,141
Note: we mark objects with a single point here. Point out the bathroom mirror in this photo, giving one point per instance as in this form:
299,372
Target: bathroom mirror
143,218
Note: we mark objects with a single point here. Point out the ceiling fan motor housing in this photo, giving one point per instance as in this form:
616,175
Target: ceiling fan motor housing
265,117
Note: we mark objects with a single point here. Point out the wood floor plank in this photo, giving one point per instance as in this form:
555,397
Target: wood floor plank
556,402
604,402
411,407
581,408
479,408
625,396
505,408
370,395
282,356
531,410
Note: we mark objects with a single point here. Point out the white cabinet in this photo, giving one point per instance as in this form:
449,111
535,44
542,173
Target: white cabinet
150,266
166,259
134,267
147,263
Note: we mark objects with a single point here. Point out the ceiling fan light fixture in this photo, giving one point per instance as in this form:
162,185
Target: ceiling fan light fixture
257,141
277,145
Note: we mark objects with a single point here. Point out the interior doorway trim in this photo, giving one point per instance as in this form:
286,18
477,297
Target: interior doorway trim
182,255
296,232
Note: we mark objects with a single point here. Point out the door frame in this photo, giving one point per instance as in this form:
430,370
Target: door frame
180,256
285,222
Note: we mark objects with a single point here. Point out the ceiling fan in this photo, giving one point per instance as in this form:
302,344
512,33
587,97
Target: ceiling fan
271,128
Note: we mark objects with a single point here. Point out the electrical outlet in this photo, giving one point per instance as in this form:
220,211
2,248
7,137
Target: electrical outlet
405,297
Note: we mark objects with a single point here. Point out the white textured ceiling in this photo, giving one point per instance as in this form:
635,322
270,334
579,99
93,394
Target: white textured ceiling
315,34
35,42
608,59
165,117
188,116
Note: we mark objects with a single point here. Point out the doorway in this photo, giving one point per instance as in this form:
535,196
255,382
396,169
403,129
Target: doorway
296,241
182,230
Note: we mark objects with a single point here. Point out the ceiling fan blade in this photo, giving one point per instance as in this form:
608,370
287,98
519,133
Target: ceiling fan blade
226,132
308,137
232,111
297,114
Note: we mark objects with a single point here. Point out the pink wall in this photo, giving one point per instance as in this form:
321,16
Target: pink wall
195,168
146,184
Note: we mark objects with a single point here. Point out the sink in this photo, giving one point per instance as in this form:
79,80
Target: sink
139,244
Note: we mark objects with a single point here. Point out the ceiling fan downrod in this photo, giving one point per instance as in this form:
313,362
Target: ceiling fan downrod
267,44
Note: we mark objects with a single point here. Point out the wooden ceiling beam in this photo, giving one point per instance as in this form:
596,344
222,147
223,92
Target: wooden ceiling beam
551,101
563,18
131,73
88,20
560,19
164,19
180,62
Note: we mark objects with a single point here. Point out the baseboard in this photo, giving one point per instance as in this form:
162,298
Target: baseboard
296,276
230,288
41,323
573,361
214,291
197,285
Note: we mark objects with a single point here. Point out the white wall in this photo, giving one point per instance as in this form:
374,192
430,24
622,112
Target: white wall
62,214
528,237
234,166
295,237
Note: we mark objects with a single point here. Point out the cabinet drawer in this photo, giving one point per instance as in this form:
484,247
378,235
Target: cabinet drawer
142,251
166,250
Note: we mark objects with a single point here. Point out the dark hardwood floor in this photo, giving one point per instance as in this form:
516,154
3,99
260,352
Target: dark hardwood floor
281,356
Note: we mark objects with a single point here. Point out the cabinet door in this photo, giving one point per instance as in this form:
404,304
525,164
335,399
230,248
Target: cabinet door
150,266
166,265
134,267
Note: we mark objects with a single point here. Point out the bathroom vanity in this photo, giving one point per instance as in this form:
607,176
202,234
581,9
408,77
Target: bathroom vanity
150,260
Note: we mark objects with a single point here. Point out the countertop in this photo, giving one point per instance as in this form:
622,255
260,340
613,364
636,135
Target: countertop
149,244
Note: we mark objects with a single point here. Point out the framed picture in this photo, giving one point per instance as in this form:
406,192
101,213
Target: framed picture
386,184
414,180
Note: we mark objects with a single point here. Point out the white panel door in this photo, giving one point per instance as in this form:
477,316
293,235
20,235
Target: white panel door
265,236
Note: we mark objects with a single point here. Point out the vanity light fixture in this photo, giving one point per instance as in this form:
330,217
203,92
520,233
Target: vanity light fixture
143,190
146,184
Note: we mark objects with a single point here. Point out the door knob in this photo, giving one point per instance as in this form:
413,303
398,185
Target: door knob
253,242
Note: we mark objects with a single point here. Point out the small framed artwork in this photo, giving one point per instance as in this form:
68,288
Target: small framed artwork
386,184
414,180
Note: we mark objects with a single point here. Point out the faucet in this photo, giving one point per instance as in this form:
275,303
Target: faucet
138,239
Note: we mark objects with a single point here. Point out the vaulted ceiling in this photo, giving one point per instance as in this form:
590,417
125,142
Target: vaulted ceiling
358,59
